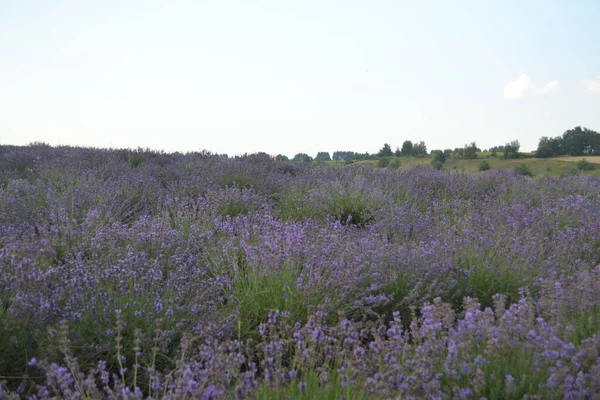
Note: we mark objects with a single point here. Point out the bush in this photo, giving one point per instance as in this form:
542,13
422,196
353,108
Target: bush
585,165
135,159
383,162
438,155
436,164
524,170
570,172
395,163
484,165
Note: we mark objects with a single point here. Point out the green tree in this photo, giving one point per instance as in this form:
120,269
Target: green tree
386,151
511,149
281,157
470,151
407,147
302,157
549,147
419,149
323,156
438,155
579,141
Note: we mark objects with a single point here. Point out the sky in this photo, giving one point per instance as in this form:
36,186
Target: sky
286,76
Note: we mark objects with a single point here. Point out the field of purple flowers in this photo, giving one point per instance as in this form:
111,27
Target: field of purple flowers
134,274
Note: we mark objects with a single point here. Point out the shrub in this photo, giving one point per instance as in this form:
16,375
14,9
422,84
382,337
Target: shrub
484,165
436,164
438,155
353,208
383,162
570,172
585,165
395,163
135,159
524,170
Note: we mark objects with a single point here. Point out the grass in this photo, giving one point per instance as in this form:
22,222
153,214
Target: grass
255,293
585,324
591,159
540,167
309,387
16,344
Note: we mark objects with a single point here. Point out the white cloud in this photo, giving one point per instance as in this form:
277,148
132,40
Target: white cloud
550,87
516,89
590,85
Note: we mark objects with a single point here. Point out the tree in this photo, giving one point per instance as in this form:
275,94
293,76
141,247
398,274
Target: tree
438,158
343,155
470,151
511,149
349,155
385,151
407,147
398,152
323,156
549,147
579,141
419,149
575,142
281,157
302,157
438,155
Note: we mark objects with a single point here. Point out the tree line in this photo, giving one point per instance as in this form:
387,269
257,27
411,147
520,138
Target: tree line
574,142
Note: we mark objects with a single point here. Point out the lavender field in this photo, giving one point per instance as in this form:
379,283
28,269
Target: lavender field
135,274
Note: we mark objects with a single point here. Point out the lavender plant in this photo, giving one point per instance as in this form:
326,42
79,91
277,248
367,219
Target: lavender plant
150,275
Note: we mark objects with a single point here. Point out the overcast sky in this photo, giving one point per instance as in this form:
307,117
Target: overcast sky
287,76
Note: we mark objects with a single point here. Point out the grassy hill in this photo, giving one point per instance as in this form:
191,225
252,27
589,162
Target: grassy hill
560,166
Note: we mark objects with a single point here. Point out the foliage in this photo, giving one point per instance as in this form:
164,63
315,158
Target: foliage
438,156
203,276
323,156
407,148
349,156
585,165
419,149
511,149
574,142
578,141
302,157
524,170
436,164
386,151
470,151
484,165
383,162
549,147
395,163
